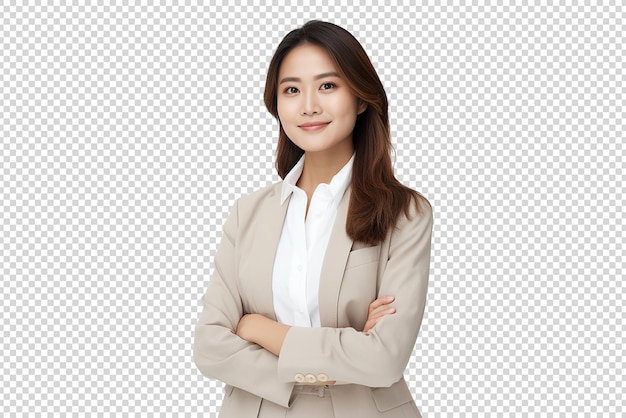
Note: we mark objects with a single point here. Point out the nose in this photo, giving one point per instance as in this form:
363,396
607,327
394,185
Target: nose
310,105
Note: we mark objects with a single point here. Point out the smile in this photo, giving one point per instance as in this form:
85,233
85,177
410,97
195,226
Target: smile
311,127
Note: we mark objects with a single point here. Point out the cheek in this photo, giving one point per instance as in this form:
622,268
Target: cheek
346,107
285,117
348,114
280,109
286,107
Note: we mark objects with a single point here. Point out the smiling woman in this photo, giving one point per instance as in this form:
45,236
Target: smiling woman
317,109
320,280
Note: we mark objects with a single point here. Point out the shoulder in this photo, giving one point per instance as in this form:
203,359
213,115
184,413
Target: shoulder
261,194
249,203
410,238
416,219
420,206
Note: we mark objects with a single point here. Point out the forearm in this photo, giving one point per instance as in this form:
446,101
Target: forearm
219,354
263,331
267,333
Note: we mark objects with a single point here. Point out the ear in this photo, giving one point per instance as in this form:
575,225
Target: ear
361,106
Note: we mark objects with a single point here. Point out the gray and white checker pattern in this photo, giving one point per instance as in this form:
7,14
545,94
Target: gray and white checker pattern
127,131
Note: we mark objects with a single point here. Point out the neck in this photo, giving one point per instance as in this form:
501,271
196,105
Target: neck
321,167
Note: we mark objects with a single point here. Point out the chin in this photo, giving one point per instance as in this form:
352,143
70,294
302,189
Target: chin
309,147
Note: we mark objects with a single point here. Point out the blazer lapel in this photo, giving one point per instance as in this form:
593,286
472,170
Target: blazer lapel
339,246
271,215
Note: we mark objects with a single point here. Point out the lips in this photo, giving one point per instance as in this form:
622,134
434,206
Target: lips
313,126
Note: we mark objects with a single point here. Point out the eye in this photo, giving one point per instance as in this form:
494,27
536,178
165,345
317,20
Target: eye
328,86
291,90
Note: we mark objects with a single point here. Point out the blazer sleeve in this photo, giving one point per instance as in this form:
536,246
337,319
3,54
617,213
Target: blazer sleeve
379,358
218,352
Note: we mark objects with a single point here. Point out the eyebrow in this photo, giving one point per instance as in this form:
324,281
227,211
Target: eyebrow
317,77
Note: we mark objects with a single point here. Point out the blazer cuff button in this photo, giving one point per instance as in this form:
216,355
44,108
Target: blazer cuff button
310,378
322,377
299,378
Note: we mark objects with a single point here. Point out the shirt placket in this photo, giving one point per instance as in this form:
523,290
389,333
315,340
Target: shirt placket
318,211
298,292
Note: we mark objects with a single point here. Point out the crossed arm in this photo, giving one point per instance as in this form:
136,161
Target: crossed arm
374,356
269,334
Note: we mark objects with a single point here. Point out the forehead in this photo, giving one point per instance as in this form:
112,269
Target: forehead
306,60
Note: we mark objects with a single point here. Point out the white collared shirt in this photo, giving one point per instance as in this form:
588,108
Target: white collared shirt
302,246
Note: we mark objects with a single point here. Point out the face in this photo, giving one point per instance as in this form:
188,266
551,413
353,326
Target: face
316,108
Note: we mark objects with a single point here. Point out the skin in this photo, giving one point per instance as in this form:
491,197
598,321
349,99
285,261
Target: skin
310,90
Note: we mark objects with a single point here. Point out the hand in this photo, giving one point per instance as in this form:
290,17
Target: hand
378,309
244,326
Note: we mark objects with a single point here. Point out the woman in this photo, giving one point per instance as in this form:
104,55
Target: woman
320,280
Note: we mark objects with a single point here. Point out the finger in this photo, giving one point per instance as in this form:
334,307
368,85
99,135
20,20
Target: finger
383,308
372,320
383,300
381,312
370,324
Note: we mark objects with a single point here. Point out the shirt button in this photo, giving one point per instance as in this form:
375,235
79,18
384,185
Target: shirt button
310,378
299,377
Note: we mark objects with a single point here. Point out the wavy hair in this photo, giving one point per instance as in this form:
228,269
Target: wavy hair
377,197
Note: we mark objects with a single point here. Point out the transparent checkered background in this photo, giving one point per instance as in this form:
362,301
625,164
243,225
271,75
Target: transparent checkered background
128,131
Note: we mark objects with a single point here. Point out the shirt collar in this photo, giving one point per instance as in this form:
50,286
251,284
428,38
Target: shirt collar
338,184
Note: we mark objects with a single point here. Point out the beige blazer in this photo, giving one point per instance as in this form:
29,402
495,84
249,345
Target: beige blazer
369,367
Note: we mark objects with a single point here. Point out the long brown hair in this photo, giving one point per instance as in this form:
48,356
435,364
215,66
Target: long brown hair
377,197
